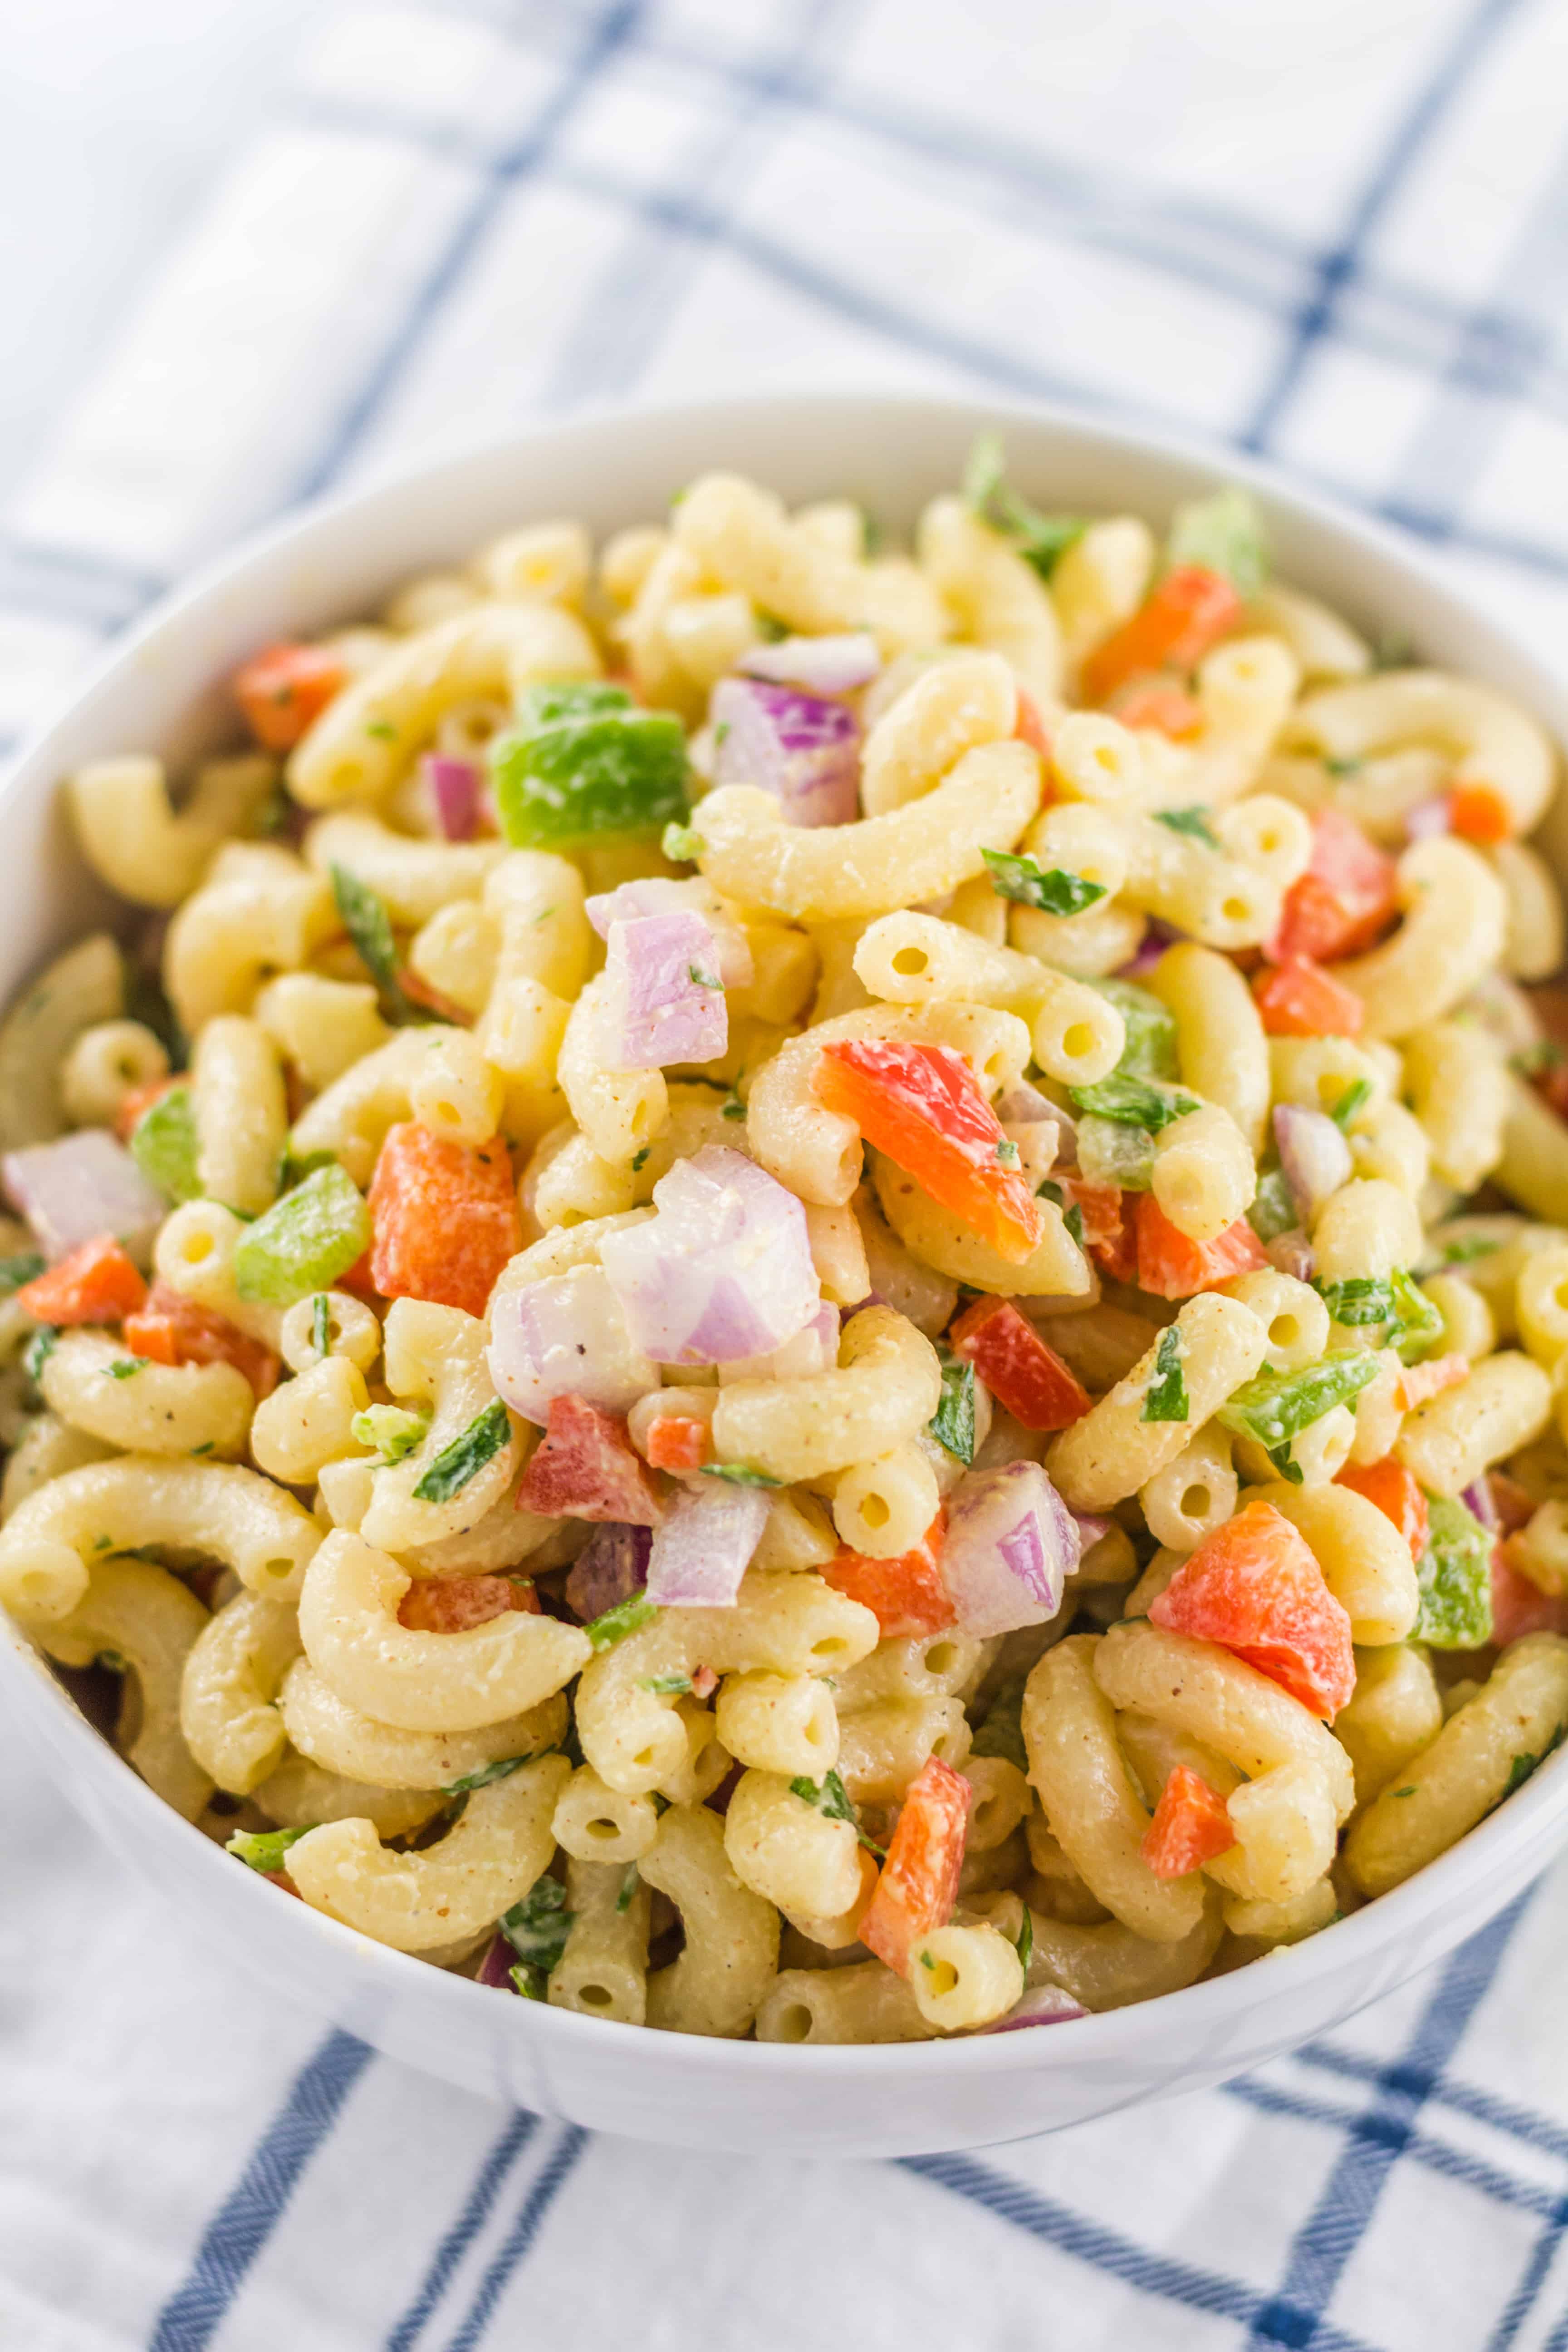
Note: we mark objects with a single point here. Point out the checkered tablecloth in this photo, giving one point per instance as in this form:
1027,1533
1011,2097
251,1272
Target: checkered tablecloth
1331,231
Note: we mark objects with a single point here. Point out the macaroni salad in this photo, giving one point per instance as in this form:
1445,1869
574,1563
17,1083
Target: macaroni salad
799,1290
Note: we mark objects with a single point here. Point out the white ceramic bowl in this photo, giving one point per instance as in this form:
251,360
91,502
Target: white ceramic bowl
163,690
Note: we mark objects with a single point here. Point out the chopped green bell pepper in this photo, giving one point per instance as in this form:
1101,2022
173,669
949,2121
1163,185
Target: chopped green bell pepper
304,1242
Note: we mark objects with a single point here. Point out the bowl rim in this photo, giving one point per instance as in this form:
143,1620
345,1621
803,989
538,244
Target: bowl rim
1527,1818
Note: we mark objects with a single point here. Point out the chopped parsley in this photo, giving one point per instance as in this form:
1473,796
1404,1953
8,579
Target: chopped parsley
368,925
1052,888
1001,1730
14,1271
264,1848
953,1423
731,1106
321,1325
640,1158
537,1930
627,1616
502,1769
665,1686
1191,822
736,1473
1042,540
1007,1152
831,1799
682,844
700,978
628,1887
1072,1215
1025,1946
465,1456
39,1348
1353,1100
125,1368
1166,1398
1134,1102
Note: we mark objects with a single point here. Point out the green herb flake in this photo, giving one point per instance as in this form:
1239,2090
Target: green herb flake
1007,1152
537,1930
682,845
1134,1102
383,730
1166,1398
1221,533
1405,1792
953,1423
1052,888
1026,1947
665,1686
1273,1210
1276,1407
737,1474
39,1348
1518,1772
292,1172
1473,1245
502,1769
927,1962
1191,822
831,1799
25,1266
627,1616
1150,1051
640,1159
164,1144
322,1324
628,1887
125,1368
1343,767
303,1241
1072,1215
1042,540
1454,1574
773,630
368,925
393,1430
264,1848
1001,1729
700,978
1358,1303
467,1456
207,1446
1416,1321
1350,1105
733,1106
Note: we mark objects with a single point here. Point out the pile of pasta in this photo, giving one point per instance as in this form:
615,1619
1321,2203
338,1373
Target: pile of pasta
801,1290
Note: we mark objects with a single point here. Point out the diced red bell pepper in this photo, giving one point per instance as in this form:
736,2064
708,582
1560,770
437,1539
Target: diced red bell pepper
1519,1606
450,1604
284,690
1479,812
1344,901
1173,1265
1190,1827
679,1442
906,1595
1419,1384
923,1106
584,1468
172,1329
1391,1487
1016,1366
138,1099
1300,999
1188,613
1100,1206
445,1218
1254,1587
919,1883
1155,703
96,1284
1029,727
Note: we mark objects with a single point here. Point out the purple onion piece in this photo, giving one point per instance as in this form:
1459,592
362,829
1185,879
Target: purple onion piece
1047,2005
85,1185
1156,938
666,998
1024,1106
1429,818
1292,1253
612,1566
497,1964
803,749
723,1270
1010,1545
833,664
1092,1529
454,787
658,894
1478,1500
704,1546
1313,1153
564,1335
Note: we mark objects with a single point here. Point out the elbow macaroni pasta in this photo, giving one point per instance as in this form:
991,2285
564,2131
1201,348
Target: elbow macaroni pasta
373,1602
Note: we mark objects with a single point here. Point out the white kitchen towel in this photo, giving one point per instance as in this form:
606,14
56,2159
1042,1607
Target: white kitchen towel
1334,232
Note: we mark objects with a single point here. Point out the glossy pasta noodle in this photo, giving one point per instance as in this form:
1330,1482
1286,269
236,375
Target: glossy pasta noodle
797,1291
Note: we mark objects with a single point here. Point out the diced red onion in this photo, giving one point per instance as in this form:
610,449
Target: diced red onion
611,1567
803,750
1047,2005
658,893
1292,1253
454,787
1092,1529
1022,1105
497,1964
833,664
1313,1153
1150,948
705,1545
1011,1544
813,1349
666,998
723,1270
565,1336
1478,1499
1429,818
85,1185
